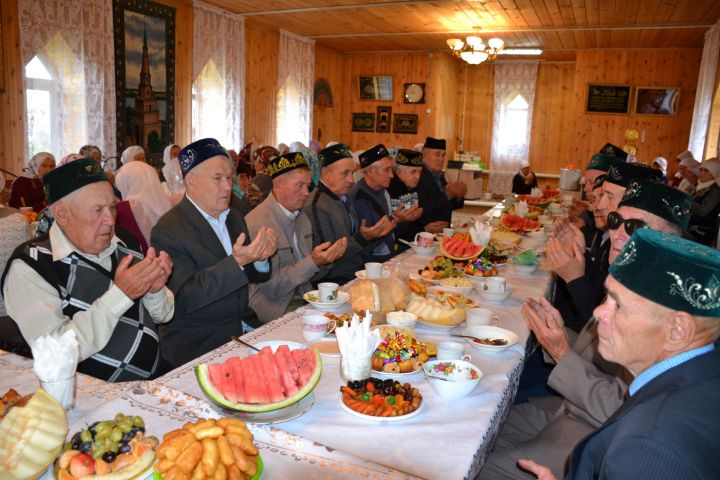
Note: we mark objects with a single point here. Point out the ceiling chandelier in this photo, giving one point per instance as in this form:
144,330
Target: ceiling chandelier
474,51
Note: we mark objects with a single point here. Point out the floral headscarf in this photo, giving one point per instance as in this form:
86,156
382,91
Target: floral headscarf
261,158
33,165
245,155
314,163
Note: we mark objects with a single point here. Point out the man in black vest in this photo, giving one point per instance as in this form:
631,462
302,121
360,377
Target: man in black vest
438,198
86,276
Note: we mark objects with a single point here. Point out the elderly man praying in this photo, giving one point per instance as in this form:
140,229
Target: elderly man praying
85,275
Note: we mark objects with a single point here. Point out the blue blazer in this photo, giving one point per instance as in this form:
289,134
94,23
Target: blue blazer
670,429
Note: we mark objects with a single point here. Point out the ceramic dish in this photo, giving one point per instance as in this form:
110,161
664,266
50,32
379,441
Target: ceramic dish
423,251
490,332
371,418
452,378
495,297
525,269
274,344
275,416
312,299
434,327
328,349
362,275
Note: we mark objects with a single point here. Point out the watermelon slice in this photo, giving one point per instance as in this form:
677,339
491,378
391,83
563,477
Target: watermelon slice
266,381
459,249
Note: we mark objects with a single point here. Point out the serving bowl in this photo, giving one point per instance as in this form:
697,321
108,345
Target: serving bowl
491,333
312,299
525,269
423,251
452,378
495,297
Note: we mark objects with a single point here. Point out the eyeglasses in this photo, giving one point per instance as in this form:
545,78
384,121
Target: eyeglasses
614,220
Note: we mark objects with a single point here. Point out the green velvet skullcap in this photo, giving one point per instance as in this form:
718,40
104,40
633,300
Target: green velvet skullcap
332,154
286,163
599,181
659,199
679,274
409,158
615,151
621,173
601,161
70,177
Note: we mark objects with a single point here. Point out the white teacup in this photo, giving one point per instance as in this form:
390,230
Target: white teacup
451,351
375,270
448,232
328,292
424,239
315,327
495,284
477,317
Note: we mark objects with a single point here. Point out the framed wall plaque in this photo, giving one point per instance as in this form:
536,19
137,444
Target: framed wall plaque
363,122
657,101
384,119
614,99
405,123
375,87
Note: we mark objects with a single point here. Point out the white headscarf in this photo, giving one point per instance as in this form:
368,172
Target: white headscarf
282,148
684,155
171,171
33,165
70,158
296,147
140,186
418,147
713,166
129,154
330,144
662,163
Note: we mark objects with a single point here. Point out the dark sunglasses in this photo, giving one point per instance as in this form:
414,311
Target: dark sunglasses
614,220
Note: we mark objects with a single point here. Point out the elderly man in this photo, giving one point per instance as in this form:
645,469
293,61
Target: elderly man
403,193
592,388
438,197
372,201
297,262
86,276
333,217
214,257
663,332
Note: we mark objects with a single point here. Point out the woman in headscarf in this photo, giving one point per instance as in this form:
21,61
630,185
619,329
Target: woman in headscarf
260,160
524,181
91,151
282,148
688,171
144,200
703,224
314,163
27,189
133,154
297,147
660,163
171,169
244,188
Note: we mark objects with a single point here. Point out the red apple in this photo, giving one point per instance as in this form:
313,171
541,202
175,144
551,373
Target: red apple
82,465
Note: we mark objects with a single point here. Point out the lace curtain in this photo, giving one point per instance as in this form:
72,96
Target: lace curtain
74,41
512,121
705,90
296,70
219,75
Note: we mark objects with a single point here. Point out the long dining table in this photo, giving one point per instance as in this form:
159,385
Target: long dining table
448,439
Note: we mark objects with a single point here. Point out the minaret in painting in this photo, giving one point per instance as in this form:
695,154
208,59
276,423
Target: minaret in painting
146,118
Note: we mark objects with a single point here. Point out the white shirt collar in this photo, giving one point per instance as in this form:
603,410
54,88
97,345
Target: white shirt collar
223,215
62,246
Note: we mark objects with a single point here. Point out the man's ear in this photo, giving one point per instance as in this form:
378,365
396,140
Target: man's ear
61,213
681,330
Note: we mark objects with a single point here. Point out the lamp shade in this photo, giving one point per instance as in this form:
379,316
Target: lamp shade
455,43
496,43
475,42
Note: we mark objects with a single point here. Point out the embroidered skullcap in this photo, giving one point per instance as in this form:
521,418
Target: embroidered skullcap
436,143
599,180
286,163
409,158
372,155
601,161
70,177
621,173
659,199
197,152
685,274
333,153
614,150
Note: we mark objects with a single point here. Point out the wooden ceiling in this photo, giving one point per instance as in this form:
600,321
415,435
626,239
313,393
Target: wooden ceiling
559,27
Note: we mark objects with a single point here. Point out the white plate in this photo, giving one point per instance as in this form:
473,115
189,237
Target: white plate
362,275
274,344
374,419
424,251
343,298
462,290
390,374
495,297
435,327
525,269
276,416
489,331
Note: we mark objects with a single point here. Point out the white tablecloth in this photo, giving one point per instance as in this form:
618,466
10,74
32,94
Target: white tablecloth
448,439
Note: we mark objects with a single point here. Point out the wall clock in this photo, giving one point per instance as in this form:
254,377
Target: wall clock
414,93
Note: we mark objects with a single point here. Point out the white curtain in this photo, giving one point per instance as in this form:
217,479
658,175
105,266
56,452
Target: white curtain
296,75
73,40
219,75
512,121
704,93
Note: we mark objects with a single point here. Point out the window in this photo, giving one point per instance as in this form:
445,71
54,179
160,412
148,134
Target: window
42,96
208,103
513,126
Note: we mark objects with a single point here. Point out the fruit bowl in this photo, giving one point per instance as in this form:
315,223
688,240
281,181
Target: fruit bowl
452,378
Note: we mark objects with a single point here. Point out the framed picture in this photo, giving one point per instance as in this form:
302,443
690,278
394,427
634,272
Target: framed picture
383,119
657,101
363,122
144,75
375,88
608,99
405,123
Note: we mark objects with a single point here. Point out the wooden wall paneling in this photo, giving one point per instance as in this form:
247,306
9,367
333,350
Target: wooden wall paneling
261,59
478,110
404,68
445,82
12,101
327,125
550,139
